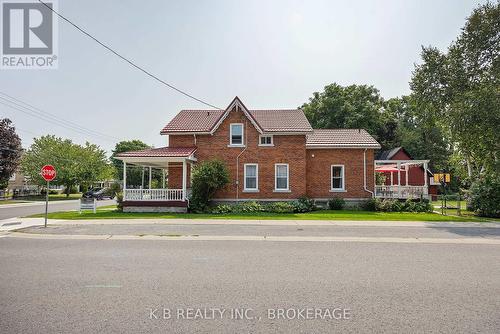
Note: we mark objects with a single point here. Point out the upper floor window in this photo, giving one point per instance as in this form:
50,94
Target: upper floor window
281,177
266,140
236,134
338,183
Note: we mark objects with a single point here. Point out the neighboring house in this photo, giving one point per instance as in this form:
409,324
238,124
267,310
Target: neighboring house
272,155
404,177
18,186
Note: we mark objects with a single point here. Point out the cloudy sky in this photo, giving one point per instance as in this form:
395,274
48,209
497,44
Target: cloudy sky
272,54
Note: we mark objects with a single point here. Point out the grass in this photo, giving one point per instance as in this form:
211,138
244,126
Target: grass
53,197
109,212
11,201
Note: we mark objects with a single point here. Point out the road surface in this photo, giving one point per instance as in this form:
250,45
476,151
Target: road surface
123,286
26,209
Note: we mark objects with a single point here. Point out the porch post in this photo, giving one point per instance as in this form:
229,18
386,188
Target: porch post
399,179
163,178
149,177
184,177
124,179
425,174
407,169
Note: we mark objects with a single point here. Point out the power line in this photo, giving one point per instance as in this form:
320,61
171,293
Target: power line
39,117
130,62
53,118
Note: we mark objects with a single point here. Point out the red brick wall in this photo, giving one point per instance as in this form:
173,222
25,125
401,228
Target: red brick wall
286,149
319,163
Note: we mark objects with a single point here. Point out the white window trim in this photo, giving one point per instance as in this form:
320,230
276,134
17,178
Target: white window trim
272,140
231,135
332,189
287,178
245,188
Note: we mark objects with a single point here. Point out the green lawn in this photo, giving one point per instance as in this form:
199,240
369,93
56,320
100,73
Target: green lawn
53,197
11,201
109,212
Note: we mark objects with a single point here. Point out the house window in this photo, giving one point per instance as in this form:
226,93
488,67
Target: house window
251,177
236,134
338,183
281,176
266,140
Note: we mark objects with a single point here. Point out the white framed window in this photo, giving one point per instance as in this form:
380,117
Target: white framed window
236,134
282,176
266,140
251,175
338,178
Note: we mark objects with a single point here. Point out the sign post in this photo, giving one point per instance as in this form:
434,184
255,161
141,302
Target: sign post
48,172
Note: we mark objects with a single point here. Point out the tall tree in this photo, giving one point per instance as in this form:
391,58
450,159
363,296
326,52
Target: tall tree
75,164
461,88
10,151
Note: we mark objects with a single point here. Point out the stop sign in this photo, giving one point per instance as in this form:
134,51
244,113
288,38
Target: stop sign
48,172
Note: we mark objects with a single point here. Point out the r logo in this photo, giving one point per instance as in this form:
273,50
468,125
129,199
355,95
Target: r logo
27,28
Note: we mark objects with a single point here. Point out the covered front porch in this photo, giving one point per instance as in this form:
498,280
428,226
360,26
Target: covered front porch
401,179
171,194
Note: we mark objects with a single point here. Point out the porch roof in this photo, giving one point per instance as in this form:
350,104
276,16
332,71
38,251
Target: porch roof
164,152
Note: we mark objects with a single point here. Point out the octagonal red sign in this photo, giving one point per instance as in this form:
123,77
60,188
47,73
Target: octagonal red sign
48,172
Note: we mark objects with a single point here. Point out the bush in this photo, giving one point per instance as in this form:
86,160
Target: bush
119,201
280,207
250,206
222,208
394,205
484,196
304,204
207,177
336,203
370,205
115,188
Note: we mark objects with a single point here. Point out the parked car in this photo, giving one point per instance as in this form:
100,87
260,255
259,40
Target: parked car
99,193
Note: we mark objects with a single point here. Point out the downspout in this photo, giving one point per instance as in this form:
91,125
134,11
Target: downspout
238,163
364,173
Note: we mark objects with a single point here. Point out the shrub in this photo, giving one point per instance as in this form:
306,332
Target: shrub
484,196
370,205
115,188
336,203
304,204
207,177
394,205
222,208
280,207
119,201
250,206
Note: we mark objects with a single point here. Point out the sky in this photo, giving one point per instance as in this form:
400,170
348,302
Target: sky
272,54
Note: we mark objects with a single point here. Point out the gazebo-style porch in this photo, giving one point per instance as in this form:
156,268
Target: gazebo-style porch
171,196
397,179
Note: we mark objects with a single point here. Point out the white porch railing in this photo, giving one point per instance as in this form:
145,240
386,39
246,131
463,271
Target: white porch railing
401,191
153,195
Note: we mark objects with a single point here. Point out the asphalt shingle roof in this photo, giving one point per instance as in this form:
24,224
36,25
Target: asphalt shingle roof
341,138
274,120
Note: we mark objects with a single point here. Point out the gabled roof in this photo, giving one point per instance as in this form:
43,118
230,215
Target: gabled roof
207,121
341,138
167,152
388,154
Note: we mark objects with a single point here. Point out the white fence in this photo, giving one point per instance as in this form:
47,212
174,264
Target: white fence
153,195
401,191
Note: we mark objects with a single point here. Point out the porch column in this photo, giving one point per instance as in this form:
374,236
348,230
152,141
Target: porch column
149,177
124,179
184,177
399,179
163,178
407,169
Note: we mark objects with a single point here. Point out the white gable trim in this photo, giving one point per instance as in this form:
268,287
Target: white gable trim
236,104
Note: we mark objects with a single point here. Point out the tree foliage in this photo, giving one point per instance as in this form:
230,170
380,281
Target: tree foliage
10,151
207,177
75,164
460,88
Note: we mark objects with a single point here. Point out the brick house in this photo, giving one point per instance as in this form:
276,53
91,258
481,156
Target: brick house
272,155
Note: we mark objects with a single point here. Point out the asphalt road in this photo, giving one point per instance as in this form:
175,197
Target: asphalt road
111,286
26,209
